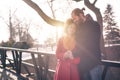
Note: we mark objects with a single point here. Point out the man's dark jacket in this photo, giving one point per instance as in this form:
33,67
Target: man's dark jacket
88,42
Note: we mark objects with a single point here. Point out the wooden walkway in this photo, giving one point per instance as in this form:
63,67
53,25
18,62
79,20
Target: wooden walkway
6,74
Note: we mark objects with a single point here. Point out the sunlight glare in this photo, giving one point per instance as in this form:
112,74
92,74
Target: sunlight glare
60,31
50,33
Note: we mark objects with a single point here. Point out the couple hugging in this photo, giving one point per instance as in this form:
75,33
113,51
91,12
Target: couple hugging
78,50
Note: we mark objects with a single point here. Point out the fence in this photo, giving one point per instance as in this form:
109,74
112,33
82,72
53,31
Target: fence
40,63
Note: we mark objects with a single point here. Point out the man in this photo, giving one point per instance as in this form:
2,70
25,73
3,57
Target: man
88,41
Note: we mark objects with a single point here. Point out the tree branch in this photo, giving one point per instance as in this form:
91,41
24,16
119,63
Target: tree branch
43,15
96,11
94,2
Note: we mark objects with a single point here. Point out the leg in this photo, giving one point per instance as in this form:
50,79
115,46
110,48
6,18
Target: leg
96,73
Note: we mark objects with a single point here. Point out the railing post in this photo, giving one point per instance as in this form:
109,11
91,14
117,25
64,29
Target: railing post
43,65
3,57
38,75
40,64
17,57
46,66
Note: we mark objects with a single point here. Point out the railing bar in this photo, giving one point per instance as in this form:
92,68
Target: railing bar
36,68
17,58
26,69
40,64
19,62
11,63
3,57
27,51
46,67
14,59
111,63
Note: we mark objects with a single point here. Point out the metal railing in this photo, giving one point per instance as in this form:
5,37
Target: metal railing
40,64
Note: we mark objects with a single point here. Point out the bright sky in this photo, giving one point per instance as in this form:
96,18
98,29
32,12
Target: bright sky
63,10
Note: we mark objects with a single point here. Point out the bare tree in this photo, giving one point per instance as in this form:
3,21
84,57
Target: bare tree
10,24
16,26
50,3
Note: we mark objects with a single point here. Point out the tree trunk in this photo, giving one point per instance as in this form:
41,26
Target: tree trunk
99,20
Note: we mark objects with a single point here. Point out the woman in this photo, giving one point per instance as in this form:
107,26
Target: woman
66,68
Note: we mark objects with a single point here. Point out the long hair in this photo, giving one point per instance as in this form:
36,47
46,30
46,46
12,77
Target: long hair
67,23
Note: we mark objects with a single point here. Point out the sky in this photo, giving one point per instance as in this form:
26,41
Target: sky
62,12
